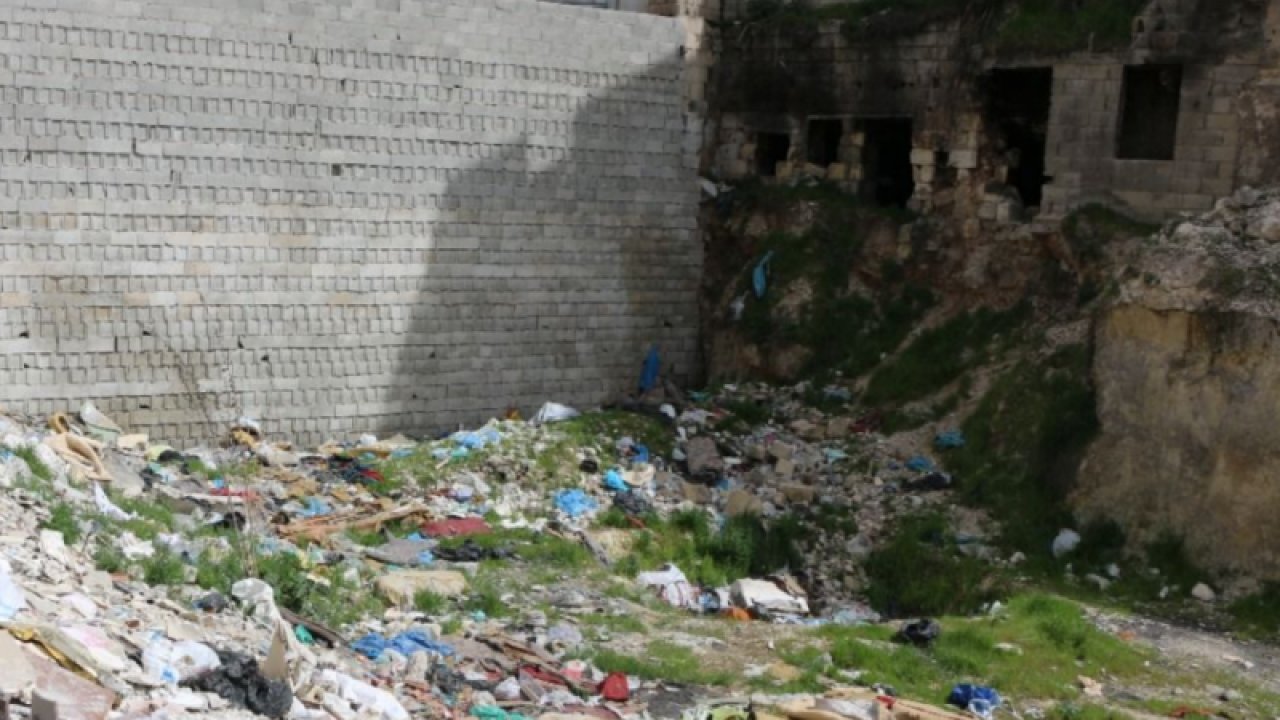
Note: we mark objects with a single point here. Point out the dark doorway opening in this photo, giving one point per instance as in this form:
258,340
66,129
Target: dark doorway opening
886,161
1017,107
822,142
1149,112
771,149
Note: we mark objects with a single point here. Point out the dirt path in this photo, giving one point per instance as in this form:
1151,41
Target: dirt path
1258,662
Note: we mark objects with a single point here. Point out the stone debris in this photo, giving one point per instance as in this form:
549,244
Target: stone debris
146,637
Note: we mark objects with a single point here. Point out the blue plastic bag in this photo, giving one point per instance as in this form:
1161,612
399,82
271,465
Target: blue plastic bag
948,440
613,481
649,374
977,699
920,463
411,641
759,276
574,502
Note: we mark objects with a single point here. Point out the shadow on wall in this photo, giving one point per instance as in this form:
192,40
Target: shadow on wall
556,262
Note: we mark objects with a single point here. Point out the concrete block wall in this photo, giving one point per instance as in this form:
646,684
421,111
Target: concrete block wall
339,216
1085,121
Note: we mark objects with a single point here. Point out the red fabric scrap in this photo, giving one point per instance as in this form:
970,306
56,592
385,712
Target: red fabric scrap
615,688
457,527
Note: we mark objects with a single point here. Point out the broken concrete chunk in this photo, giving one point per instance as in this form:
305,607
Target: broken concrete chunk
838,428
705,462
799,493
695,493
781,451
400,586
742,502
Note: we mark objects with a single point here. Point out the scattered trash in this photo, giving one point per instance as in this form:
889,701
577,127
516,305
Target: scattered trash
920,464
174,662
672,586
575,503
239,680
977,699
949,440
921,633
554,412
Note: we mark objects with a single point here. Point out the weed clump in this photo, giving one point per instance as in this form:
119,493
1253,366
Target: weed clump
62,517
742,547
918,572
1023,445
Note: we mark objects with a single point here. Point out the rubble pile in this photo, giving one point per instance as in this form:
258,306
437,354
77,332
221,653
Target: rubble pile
255,578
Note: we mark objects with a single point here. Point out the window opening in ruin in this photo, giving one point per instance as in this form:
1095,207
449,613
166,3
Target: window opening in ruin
822,143
771,149
886,161
1149,112
1017,109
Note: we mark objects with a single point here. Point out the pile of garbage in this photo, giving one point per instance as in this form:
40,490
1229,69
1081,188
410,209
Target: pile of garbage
105,615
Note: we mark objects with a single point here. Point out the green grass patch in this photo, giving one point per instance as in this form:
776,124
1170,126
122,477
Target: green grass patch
37,467
340,603
163,568
614,623
662,660
1054,27
485,595
1056,642
1259,614
429,602
367,538
940,355
743,546
109,559
1089,229
62,517
1023,445
603,429
919,572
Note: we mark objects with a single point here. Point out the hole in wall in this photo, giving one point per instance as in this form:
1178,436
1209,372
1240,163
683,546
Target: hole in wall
822,141
771,149
1016,103
887,179
1149,112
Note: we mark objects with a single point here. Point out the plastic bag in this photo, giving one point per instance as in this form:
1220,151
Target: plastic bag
173,662
13,599
366,696
554,412
108,508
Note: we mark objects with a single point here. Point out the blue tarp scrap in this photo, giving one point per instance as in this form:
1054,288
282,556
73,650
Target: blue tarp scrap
613,481
948,440
315,508
406,643
649,372
977,699
574,502
759,276
920,463
474,440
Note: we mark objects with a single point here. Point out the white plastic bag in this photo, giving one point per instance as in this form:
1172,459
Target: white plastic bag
365,696
13,599
554,412
106,507
174,662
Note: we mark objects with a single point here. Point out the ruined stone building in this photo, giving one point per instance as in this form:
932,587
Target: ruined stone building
989,117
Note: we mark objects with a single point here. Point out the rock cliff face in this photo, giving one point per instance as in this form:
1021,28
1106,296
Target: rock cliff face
1187,369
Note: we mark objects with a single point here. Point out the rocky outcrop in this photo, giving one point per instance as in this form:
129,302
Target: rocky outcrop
1187,369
